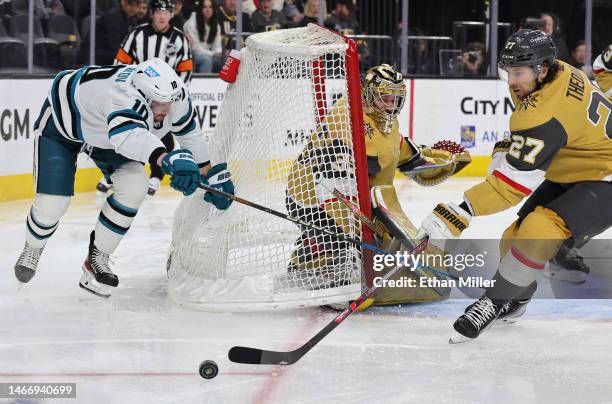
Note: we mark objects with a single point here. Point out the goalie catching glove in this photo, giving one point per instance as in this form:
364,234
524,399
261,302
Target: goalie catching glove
447,221
183,170
219,177
432,166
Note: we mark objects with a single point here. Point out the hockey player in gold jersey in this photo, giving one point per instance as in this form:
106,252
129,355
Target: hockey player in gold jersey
568,265
325,164
561,131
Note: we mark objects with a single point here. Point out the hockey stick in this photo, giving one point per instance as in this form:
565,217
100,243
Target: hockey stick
376,228
300,222
427,167
241,354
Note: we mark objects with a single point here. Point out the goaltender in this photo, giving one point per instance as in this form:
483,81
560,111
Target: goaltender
325,162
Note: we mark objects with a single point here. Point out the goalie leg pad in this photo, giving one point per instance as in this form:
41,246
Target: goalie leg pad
388,210
130,184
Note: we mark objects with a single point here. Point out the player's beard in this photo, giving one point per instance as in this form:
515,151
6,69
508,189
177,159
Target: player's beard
159,118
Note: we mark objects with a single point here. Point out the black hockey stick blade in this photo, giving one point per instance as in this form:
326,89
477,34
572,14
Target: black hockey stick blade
254,356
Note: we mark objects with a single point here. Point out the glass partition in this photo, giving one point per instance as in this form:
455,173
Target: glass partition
435,38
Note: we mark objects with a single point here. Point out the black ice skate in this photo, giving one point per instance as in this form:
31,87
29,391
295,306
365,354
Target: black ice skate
478,317
97,276
510,312
25,268
567,266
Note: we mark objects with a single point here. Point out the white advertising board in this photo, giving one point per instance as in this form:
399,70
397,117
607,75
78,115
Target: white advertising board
472,112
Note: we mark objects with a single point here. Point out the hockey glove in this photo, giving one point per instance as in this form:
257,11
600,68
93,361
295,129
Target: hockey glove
219,177
447,221
183,170
498,155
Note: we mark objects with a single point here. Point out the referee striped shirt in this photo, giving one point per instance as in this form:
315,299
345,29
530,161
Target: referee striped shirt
143,43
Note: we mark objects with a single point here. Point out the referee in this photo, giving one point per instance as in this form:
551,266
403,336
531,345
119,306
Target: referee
158,39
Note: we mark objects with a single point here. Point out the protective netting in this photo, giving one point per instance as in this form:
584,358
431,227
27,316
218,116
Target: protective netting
285,131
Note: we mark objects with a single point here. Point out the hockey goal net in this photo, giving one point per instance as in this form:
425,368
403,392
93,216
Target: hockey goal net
288,90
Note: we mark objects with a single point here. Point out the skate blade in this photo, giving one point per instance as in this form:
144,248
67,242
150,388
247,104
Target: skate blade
508,320
564,275
457,338
93,291
89,283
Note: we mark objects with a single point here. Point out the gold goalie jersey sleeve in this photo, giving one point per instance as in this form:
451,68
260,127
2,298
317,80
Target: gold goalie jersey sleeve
561,132
385,152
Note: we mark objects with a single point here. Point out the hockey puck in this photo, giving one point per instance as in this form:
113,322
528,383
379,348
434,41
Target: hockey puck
208,369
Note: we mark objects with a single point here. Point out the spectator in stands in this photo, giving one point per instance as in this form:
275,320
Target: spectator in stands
104,6
45,9
204,35
578,55
142,12
343,19
249,6
552,28
111,28
311,13
294,11
474,59
178,19
190,6
226,16
265,18
5,7
422,57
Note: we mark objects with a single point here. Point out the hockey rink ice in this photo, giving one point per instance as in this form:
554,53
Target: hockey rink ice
138,347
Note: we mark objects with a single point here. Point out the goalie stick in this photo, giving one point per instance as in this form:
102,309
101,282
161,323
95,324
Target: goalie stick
300,222
255,356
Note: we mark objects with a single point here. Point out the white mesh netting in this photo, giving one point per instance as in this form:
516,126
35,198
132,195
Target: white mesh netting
285,131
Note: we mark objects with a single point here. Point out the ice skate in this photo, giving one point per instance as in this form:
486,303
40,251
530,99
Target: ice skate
511,311
567,266
97,276
26,265
478,317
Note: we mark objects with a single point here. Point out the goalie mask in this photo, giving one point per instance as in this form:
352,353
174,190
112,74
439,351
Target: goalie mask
384,94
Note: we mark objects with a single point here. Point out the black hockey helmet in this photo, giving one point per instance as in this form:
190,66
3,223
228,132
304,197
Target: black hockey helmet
528,47
162,5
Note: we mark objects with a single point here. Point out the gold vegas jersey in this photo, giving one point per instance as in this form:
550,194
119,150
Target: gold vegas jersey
327,152
561,132
385,152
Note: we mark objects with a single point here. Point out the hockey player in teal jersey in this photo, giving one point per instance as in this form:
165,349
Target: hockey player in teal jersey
117,115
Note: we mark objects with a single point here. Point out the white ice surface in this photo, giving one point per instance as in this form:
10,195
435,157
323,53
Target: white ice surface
137,347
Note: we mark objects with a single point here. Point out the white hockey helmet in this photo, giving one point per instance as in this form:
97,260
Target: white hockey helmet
157,81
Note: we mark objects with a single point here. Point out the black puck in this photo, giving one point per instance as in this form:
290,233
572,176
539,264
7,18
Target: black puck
208,369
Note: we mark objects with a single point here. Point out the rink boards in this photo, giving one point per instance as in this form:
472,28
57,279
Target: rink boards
474,113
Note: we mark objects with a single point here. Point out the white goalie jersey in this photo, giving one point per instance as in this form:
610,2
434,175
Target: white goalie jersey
99,106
